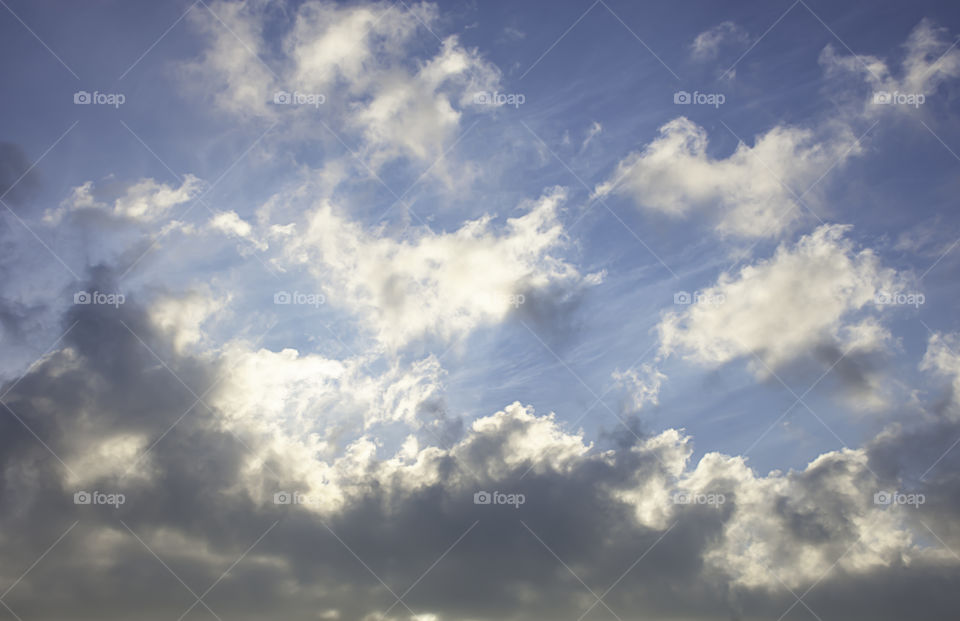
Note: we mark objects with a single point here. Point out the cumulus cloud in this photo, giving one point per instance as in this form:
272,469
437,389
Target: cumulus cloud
816,296
442,285
717,540
930,60
753,192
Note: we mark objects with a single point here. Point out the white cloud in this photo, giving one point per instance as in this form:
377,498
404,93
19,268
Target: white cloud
752,192
358,58
332,44
941,358
182,316
229,223
230,72
789,530
149,200
808,294
418,115
289,389
522,438
437,284
707,44
930,60
595,129
642,385
144,201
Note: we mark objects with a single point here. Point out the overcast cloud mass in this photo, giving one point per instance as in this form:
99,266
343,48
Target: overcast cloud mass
470,311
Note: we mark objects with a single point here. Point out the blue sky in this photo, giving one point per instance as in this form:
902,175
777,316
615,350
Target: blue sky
503,283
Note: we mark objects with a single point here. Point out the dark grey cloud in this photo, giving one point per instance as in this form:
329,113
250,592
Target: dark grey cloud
192,505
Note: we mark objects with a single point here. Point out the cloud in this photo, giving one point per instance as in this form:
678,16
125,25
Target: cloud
229,223
332,45
930,61
414,115
443,285
753,192
355,60
817,295
282,480
307,405
942,359
642,385
595,129
707,44
231,72
143,201
181,317
204,494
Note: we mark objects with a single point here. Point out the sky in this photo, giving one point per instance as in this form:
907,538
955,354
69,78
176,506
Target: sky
466,311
